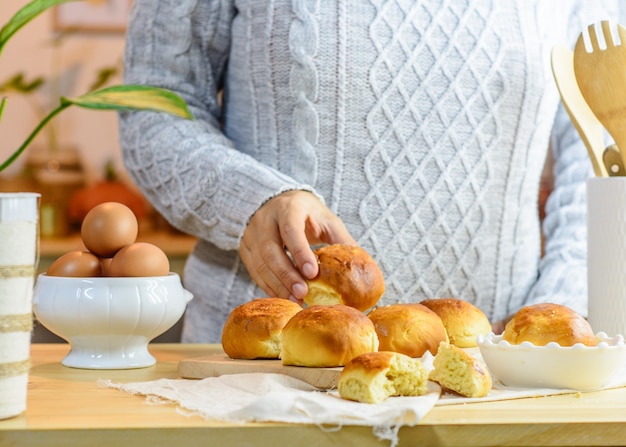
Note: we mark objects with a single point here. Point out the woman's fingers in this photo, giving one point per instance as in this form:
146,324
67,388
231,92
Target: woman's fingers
310,223
262,253
276,245
263,249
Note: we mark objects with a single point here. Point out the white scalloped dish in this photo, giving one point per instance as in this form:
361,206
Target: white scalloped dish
577,367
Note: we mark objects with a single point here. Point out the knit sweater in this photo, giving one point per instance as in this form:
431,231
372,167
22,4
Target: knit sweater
423,124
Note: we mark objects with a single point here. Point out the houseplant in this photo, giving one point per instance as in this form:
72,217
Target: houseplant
118,97
41,92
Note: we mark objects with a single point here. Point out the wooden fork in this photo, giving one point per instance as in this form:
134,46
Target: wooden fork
601,76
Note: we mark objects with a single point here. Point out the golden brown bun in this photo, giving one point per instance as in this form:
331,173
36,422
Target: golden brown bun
253,330
375,376
327,336
463,321
347,275
408,328
455,370
543,323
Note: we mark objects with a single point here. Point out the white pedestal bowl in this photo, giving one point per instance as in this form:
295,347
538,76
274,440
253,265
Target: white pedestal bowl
107,321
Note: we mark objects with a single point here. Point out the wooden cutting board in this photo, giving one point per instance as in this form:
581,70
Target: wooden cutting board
220,364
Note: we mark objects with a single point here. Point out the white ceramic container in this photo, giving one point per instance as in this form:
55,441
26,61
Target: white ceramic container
606,254
19,221
575,367
109,322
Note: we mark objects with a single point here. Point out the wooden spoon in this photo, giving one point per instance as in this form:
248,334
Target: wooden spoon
585,122
601,76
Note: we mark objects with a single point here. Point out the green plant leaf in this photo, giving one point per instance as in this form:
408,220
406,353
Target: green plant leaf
25,15
119,97
104,74
3,103
132,97
19,84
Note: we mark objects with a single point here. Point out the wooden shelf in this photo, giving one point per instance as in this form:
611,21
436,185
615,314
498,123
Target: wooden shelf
173,244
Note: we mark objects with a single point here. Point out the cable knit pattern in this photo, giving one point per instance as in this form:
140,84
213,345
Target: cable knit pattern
405,123
424,124
303,82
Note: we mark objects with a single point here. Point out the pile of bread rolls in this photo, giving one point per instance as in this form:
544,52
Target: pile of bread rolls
380,347
329,332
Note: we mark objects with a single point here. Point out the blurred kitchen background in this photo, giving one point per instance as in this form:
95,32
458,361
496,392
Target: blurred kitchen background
75,163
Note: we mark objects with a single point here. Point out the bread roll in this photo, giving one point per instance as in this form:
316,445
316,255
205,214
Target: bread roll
327,336
455,370
347,275
253,330
463,321
373,377
543,323
408,328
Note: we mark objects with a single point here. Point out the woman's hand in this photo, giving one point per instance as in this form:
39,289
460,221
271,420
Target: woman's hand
289,223
498,326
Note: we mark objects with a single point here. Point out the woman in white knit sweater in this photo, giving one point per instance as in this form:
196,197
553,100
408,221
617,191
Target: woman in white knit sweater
417,129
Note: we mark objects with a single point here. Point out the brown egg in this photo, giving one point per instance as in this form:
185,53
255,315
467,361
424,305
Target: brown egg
107,228
140,259
76,263
106,266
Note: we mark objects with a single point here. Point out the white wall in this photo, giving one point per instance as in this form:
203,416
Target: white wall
31,50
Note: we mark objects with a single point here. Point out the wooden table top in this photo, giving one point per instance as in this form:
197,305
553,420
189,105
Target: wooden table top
66,407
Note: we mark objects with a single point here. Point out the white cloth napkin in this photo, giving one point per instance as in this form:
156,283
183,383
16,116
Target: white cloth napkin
258,397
